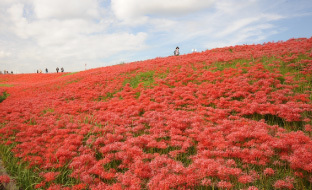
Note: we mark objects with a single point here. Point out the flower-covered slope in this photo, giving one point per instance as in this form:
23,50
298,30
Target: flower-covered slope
235,117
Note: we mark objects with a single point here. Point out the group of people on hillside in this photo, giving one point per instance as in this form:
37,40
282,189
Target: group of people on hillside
47,71
57,69
6,72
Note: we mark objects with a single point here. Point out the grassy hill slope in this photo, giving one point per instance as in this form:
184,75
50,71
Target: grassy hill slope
235,117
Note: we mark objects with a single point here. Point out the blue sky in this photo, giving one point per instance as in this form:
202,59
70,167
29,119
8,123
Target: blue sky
39,34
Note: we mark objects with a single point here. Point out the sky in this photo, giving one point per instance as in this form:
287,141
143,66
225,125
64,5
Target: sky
85,34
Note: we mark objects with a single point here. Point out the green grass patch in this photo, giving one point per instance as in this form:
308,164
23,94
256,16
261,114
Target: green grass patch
166,138
64,177
244,62
108,96
153,150
31,121
147,78
184,157
48,110
72,81
6,85
275,120
67,74
114,165
25,178
221,66
144,131
3,96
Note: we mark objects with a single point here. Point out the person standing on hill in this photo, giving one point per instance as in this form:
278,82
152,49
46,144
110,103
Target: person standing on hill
176,51
57,69
47,70
62,70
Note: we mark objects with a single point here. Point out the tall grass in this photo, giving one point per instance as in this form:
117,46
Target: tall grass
25,178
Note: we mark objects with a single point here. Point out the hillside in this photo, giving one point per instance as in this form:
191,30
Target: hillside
236,117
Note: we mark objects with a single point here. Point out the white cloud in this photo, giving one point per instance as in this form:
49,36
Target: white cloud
15,14
73,54
69,9
57,32
130,10
4,54
240,23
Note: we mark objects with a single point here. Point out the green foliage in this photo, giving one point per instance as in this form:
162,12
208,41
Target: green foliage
220,66
282,171
108,96
6,85
64,177
48,110
114,165
72,81
153,150
184,157
25,178
142,132
147,78
275,120
67,74
3,96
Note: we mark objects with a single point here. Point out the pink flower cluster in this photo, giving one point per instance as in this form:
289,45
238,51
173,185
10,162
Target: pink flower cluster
204,119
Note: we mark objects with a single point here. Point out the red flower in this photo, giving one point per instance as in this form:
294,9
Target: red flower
50,176
224,185
245,179
283,184
5,179
268,171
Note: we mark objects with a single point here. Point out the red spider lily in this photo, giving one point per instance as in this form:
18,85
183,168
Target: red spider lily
224,185
5,179
268,171
283,184
50,176
245,179
202,119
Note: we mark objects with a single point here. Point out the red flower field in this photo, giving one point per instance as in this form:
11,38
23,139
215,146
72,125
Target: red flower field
228,118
